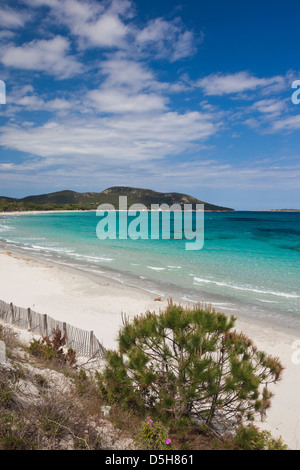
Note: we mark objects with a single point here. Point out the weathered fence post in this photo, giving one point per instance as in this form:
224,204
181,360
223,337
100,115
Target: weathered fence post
12,312
29,325
45,325
91,343
65,332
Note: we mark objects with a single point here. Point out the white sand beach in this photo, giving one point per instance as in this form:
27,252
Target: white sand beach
15,213
96,303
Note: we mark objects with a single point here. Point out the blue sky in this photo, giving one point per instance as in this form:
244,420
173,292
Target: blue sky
190,96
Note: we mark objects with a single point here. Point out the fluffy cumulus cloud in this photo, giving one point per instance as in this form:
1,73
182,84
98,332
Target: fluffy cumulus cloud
120,102
270,106
222,84
167,39
130,73
10,18
110,24
289,123
44,55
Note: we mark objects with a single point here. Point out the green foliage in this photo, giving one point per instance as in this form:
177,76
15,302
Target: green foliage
6,395
153,436
88,441
10,435
41,381
11,441
8,379
9,337
20,206
250,438
39,349
53,421
82,383
52,349
189,364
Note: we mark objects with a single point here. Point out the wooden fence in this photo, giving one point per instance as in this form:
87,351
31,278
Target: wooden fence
83,342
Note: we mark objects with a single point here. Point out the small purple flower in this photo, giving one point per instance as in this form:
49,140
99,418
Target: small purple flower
86,431
168,441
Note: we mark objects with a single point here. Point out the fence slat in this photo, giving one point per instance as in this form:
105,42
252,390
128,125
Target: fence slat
29,319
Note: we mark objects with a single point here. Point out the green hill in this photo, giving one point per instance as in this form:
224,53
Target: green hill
72,200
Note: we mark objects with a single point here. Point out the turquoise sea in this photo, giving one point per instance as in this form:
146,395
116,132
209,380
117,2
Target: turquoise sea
250,260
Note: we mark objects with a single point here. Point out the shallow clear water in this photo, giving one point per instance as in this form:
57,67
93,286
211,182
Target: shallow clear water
248,258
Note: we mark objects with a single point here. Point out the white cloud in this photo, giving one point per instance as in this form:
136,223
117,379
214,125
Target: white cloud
34,103
270,116
71,8
93,23
221,84
129,73
2,92
87,170
290,123
121,7
184,47
49,56
119,102
168,39
135,76
6,35
12,19
270,106
118,138
110,24
107,31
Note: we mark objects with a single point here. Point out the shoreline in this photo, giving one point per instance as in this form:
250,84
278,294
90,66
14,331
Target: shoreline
96,302
284,320
18,213
11,213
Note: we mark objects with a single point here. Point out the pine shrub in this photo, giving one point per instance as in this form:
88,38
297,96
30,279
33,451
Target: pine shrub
189,364
251,438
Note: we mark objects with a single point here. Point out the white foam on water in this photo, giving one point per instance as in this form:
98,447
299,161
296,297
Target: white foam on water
198,280
93,258
51,248
155,268
267,301
5,228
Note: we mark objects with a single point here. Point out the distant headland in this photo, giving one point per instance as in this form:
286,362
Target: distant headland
72,200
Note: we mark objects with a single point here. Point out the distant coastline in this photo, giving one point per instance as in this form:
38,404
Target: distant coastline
62,211
284,210
71,200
